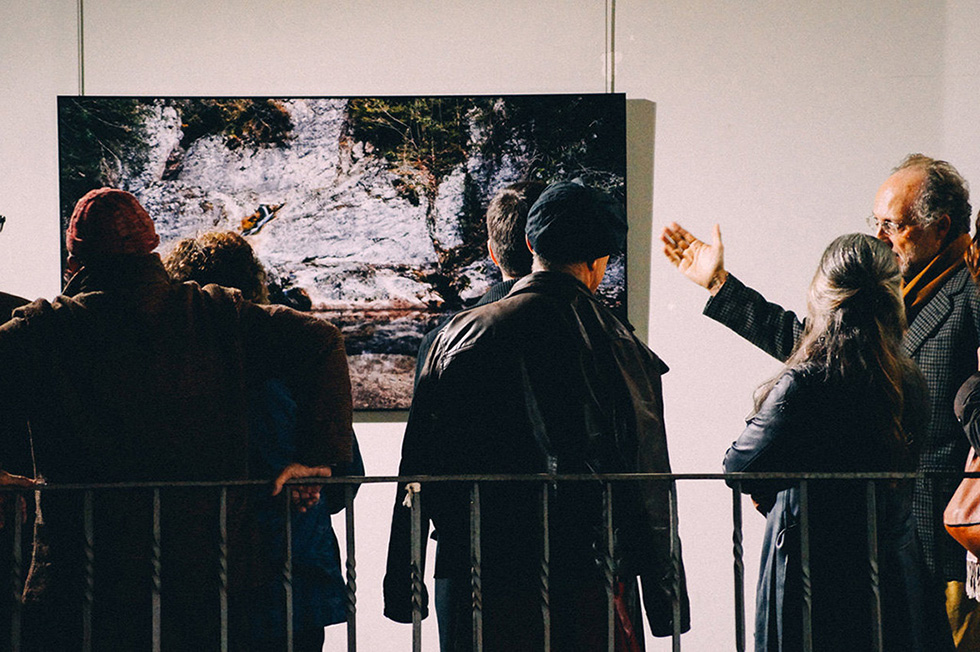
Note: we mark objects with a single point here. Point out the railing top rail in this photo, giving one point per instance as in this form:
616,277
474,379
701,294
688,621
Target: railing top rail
510,477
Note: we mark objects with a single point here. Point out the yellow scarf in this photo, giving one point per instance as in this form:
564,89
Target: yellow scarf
924,286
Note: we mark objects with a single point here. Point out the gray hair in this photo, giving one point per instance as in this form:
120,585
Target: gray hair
943,192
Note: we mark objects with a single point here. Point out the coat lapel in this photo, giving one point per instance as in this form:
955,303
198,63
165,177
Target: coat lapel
933,314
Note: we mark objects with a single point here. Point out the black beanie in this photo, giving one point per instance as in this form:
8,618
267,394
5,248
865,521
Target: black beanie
572,223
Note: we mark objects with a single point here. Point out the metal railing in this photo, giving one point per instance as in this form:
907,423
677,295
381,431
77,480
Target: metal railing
803,482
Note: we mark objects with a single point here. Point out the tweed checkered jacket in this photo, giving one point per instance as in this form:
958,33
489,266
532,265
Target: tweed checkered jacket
943,340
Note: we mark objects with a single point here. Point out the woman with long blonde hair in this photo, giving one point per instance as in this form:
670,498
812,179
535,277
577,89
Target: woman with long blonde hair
850,401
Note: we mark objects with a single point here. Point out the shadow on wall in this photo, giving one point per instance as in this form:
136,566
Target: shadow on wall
641,121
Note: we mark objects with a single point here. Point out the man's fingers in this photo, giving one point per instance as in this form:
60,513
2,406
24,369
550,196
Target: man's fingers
299,471
680,234
679,239
716,236
670,242
305,497
306,493
677,242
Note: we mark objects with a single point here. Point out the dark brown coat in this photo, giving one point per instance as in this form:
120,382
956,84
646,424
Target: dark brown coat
132,378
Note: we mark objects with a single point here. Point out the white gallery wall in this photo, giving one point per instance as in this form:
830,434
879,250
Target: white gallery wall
777,119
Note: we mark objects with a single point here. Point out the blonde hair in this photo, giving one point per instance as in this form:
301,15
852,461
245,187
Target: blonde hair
855,324
221,257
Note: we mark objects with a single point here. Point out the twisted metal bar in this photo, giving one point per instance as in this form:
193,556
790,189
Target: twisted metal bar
223,565
89,596
607,566
739,565
351,565
877,642
287,570
546,566
155,595
416,562
675,557
476,569
805,566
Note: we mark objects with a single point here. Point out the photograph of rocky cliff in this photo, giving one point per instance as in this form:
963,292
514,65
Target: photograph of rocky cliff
367,211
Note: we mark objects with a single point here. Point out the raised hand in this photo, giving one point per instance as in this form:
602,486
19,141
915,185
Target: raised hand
702,263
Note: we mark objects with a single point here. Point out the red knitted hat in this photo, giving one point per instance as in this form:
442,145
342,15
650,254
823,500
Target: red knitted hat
110,221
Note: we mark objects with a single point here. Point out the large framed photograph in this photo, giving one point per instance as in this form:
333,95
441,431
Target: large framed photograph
368,211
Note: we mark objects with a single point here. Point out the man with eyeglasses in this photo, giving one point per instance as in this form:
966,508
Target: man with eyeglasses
923,212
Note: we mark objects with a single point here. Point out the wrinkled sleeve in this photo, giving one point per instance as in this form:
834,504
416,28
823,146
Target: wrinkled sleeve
764,324
650,551
398,580
335,495
770,441
308,354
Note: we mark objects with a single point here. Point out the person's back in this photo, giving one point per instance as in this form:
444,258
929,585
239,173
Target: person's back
553,356
547,380
142,383
821,426
848,401
132,378
524,346
318,587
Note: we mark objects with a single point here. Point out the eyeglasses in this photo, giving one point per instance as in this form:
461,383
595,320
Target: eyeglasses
886,226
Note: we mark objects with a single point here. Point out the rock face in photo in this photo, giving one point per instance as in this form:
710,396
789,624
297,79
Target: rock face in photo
382,239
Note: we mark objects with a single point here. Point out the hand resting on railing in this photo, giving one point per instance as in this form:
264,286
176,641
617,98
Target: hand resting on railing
302,496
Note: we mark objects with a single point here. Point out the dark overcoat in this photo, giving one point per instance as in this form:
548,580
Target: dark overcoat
942,339
808,423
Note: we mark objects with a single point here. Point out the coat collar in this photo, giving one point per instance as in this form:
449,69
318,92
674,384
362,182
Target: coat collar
935,313
118,274
550,282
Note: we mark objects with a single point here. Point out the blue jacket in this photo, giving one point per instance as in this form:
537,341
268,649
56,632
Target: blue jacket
319,590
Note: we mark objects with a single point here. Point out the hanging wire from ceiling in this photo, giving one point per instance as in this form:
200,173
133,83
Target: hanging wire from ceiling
609,56
81,47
